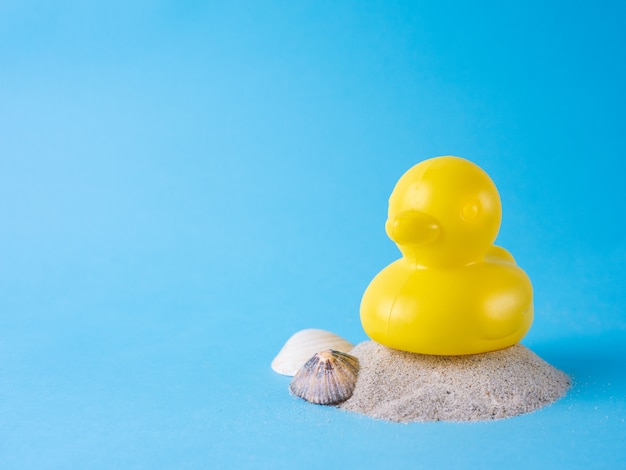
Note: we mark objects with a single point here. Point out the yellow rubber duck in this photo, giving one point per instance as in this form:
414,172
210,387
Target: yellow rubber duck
453,292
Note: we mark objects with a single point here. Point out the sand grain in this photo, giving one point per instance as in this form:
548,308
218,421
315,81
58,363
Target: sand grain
403,387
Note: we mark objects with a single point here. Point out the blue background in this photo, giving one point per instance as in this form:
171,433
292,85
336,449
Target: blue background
183,185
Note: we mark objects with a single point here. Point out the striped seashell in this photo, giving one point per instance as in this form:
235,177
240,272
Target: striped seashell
328,378
302,345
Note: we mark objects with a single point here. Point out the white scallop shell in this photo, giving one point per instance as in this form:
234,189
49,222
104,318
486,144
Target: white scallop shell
303,345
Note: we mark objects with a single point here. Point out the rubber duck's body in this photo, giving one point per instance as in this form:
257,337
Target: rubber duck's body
453,292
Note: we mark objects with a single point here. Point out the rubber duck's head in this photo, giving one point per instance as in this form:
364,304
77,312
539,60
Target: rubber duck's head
444,211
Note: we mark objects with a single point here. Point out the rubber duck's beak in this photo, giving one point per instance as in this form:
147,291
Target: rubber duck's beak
412,227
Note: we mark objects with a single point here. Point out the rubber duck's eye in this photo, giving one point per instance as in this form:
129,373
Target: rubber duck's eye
469,211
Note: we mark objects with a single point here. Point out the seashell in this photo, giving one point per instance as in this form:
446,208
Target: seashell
328,378
302,345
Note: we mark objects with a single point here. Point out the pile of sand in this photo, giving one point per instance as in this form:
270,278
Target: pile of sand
404,387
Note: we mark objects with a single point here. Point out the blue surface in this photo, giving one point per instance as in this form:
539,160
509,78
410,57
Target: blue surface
183,185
